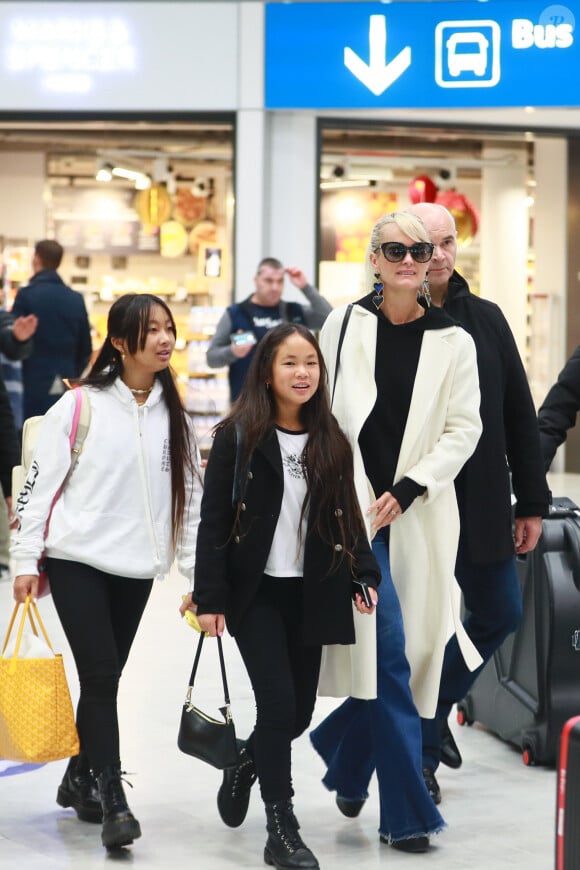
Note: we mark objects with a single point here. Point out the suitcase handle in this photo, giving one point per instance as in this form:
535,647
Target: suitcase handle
571,534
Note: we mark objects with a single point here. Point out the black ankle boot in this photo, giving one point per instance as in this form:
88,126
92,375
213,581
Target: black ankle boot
120,827
284,847
80,791
234,795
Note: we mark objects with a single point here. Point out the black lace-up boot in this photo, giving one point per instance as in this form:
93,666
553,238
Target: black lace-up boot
120,827
80,791
285,848
234,795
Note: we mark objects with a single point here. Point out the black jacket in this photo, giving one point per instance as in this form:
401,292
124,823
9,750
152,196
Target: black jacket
510,439
559,408
229,568
9,442
62,341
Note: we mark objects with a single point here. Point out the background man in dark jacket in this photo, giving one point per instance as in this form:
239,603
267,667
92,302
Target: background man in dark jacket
485,568
560,408
260,312
62,344
15,344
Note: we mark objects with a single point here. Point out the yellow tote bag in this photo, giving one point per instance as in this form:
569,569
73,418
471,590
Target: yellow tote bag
37,721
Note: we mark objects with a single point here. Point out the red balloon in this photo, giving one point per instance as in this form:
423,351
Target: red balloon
463,210
422,189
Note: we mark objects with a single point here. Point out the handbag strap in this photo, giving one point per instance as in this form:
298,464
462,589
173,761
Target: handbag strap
343,326
29,607
78,433
222,666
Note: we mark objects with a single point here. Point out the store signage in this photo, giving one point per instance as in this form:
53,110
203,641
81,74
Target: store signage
117,56
421,55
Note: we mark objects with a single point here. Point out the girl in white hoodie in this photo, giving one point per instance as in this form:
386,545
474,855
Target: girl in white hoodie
129,508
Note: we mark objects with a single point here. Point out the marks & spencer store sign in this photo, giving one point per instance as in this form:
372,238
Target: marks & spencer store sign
130,56
422,55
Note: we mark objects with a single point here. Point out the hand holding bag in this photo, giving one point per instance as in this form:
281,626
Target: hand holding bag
201,736
37,722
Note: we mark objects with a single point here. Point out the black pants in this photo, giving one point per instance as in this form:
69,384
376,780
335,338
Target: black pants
284,675
100,614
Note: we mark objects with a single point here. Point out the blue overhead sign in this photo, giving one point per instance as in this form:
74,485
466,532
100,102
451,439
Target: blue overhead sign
421,55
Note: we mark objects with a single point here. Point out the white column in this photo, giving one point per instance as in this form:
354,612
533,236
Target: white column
504,236
549,243
292,185
548,340
22,188
250,242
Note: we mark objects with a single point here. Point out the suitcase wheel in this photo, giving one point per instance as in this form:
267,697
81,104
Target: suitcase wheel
528,756
462,717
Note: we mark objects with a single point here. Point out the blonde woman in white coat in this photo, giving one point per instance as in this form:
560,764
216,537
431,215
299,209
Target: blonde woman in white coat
407,396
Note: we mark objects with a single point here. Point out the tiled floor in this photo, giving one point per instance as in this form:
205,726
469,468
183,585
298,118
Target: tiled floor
500,814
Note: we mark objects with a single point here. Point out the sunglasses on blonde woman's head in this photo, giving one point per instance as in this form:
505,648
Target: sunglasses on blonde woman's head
394,252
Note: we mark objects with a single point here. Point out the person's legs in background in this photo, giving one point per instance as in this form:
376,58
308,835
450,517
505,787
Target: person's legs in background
492,597
100,614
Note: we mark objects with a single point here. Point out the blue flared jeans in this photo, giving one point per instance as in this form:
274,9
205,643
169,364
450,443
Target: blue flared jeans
493,599
383,734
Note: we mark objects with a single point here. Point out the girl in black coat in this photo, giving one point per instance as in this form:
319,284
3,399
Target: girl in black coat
280,542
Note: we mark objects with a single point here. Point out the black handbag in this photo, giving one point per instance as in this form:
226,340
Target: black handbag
201,736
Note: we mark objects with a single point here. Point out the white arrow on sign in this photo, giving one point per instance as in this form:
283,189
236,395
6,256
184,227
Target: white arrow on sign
377,75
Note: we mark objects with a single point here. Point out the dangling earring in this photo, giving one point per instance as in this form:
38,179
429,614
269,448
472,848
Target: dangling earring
123,355
267,385
378,298
425,293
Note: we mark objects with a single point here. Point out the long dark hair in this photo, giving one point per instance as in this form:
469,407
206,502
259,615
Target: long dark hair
327,458
129,320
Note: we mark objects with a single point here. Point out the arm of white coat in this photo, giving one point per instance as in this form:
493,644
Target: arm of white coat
186,544
441,465
49,467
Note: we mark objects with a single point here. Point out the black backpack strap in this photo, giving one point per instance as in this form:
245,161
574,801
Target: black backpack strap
295,313
245,307
240,481
344,324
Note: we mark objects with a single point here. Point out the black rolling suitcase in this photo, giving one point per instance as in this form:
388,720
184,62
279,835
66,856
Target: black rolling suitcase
531,685
568,798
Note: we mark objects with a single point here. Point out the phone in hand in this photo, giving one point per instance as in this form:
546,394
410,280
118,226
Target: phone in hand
359,587
191,619
241,339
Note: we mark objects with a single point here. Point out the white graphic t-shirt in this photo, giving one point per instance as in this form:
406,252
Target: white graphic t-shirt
286,557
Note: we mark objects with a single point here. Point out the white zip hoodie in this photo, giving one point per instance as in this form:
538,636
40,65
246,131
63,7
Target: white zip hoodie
115,511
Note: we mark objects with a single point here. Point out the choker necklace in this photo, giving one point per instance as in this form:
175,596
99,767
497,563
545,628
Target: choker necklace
141,392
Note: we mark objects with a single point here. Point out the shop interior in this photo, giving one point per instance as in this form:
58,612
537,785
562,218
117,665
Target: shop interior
139,207
148,205
369,169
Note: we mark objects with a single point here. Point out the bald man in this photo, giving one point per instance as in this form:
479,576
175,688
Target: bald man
485,567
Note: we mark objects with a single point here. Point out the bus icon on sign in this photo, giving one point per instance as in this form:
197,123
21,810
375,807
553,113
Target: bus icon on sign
467,54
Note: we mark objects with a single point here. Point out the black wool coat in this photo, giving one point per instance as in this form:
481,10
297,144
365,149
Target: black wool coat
510,439
559,409
230,565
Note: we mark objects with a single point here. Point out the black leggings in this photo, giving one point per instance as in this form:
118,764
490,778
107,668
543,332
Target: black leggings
100,614
284,675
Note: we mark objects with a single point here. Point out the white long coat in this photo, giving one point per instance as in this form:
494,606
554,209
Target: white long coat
443,428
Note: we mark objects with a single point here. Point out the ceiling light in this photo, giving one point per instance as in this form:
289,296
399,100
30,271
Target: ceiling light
104,172
142,181
201,187
341,185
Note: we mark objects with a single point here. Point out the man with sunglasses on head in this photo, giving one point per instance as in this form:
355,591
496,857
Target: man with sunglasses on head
243,324
485,569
